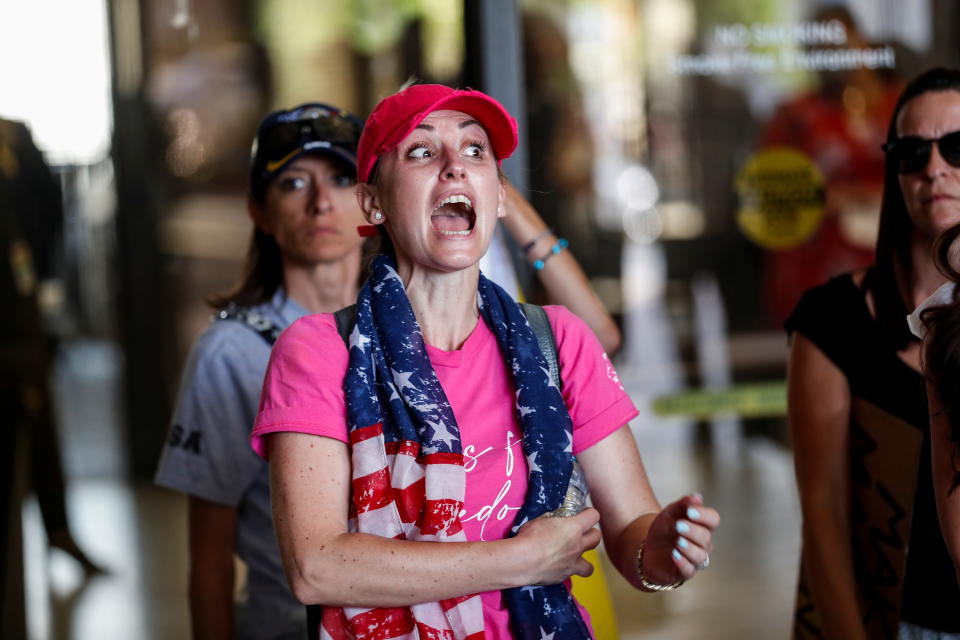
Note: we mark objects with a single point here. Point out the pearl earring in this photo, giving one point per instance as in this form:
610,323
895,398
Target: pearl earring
377,216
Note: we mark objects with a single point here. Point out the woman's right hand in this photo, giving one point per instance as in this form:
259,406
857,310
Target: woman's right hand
555,545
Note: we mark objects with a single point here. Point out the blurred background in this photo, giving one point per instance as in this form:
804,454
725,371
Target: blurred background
708,160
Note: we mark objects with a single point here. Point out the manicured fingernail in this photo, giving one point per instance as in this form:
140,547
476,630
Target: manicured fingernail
692,513
682,527
698,495
676,555
682,542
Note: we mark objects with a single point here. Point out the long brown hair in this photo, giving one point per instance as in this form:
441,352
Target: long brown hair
262,274
888,280
942,352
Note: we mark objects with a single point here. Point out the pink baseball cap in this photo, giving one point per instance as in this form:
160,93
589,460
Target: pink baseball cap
396,116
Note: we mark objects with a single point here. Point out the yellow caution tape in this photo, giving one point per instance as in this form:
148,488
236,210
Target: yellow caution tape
765,399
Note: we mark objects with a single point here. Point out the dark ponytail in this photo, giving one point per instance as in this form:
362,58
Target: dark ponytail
262,274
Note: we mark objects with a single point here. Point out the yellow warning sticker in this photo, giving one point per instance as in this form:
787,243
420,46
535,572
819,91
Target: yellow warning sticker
782,198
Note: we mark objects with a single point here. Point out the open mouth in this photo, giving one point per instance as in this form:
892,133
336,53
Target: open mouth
453,216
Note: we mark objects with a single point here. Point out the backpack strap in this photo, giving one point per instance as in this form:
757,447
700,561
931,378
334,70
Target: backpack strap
257,322
346,318
540,324
314,620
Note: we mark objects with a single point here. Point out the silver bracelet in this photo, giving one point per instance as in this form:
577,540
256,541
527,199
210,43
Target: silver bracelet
644,582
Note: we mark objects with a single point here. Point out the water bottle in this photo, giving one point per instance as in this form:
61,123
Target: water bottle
575,500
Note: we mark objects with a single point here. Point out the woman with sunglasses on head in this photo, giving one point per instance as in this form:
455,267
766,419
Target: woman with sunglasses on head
304,256
874,561
414,472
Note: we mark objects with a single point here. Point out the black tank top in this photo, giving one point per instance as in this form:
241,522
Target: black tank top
835,317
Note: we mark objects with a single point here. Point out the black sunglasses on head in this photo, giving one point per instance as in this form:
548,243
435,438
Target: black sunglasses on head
912,153
314,122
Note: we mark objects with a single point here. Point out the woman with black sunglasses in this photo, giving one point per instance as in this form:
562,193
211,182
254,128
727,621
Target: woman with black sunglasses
874,561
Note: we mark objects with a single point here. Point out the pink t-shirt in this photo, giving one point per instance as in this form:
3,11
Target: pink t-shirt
303,392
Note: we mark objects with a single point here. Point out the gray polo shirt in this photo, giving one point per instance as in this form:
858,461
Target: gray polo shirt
208,455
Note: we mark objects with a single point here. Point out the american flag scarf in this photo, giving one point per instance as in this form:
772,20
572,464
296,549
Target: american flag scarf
408,475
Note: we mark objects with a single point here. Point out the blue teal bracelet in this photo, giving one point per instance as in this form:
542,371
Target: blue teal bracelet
559,246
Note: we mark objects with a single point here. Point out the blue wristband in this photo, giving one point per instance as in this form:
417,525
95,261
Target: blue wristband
559,246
